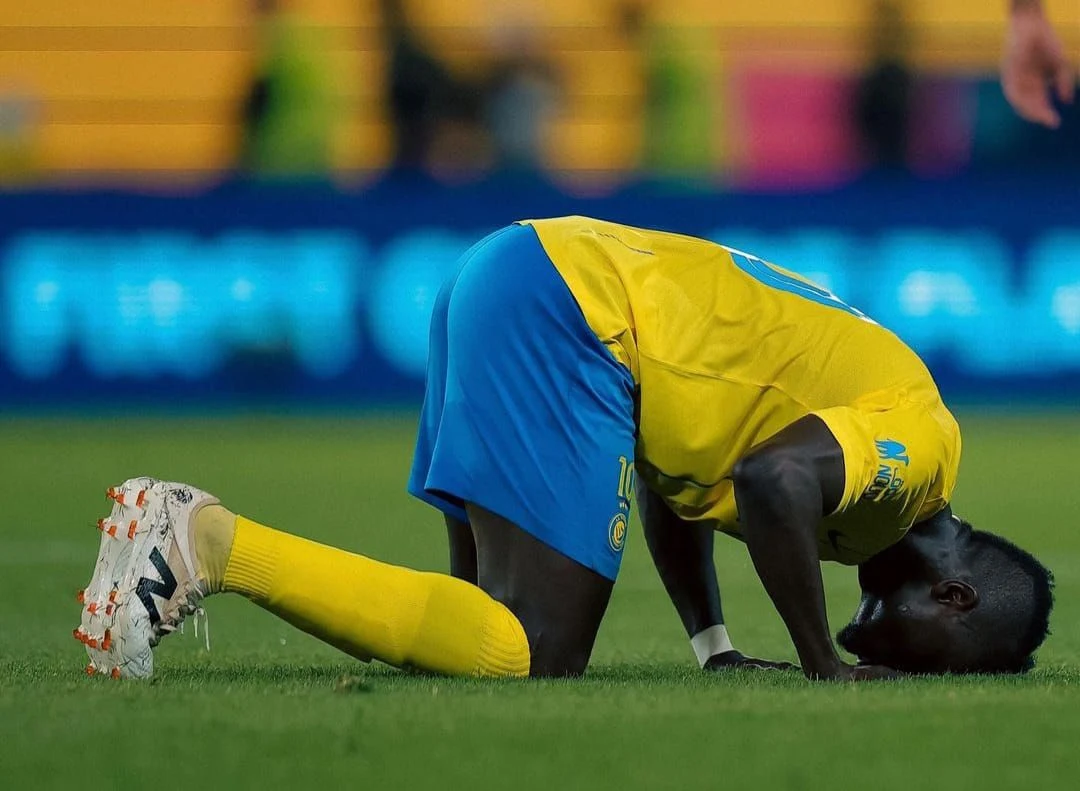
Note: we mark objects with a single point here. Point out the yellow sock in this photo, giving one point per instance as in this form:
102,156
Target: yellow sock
366,608
215,528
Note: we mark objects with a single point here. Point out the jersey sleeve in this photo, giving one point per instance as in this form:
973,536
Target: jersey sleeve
904,457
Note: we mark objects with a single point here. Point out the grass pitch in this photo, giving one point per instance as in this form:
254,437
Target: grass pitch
270,707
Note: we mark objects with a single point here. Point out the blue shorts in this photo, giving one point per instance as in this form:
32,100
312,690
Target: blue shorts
526,413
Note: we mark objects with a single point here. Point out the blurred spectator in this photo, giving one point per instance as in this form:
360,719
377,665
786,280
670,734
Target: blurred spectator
436,117
679,123
884,96
523,94
461,149
288,112
19,116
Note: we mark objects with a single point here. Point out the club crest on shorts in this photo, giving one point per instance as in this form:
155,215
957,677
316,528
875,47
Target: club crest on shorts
616,534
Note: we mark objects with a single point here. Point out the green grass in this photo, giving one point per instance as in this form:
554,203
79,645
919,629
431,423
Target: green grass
266,707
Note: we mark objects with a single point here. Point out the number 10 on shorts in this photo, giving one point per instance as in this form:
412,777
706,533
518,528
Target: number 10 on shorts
626,480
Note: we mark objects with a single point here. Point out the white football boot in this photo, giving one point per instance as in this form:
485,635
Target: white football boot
145,582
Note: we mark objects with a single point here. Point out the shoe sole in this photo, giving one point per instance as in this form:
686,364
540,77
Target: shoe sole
112,609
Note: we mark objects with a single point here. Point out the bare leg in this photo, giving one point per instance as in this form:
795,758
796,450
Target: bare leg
462,550
558,601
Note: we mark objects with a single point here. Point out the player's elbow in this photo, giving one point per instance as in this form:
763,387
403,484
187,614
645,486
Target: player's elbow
773,475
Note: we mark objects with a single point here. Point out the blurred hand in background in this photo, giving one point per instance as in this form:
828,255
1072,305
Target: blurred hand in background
1035,64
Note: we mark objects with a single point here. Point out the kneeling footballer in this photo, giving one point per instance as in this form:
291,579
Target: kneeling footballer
577,364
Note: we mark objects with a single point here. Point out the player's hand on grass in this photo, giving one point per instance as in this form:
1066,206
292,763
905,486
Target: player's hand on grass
733,659
1034,64
848,672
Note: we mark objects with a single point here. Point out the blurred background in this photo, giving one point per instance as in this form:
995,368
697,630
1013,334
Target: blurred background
238,202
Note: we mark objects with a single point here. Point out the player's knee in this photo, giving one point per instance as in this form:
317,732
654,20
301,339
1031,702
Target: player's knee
555,652
558,663
560,646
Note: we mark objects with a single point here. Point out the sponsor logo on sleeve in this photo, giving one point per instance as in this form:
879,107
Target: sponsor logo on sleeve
891,450
889,479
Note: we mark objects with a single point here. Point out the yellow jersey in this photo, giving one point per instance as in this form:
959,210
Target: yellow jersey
726,350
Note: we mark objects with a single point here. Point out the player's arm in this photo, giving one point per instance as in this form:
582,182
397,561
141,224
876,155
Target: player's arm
683,554
1034,60
783,488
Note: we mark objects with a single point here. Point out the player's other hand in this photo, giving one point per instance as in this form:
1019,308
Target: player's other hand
1035,64
733,659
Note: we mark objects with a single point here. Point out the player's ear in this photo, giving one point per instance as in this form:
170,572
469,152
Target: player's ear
955,593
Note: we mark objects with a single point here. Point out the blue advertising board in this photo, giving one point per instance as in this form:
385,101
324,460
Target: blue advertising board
320,295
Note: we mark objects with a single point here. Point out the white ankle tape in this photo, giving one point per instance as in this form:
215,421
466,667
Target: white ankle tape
710,642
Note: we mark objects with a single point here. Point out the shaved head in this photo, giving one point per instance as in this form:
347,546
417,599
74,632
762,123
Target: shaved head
948,598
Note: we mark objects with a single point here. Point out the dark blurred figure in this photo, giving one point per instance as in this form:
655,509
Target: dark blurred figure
287,114
884,96
436,116
523,94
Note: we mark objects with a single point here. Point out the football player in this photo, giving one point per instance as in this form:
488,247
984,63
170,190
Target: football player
573,362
